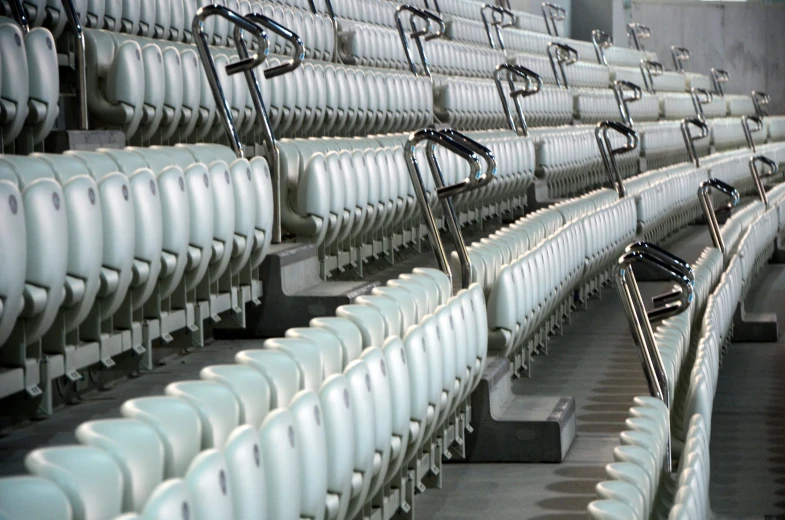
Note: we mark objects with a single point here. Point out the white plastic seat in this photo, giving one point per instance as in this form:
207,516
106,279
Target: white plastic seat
367,460
246,473
13,253
33,498
171,499
309,428
347,333
44,81
209,485
14,89
136,449
342,480
89,476
308,357
281,462
281,370
178,425
328,345
249,386
216,404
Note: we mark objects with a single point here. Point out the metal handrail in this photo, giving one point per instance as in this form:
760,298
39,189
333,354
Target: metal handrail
533,86
689,139
418,34
553,13
759,99
619,87
467,149
601,41
649,70
698,101
273,154
20,15
437,7
704,196
80,63
497,23
243,65
662,301
745,124
718,77
679,55
640,322
609,153
638,32
756,175
562,54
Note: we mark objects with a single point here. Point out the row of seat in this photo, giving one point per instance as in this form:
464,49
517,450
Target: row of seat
638,485
111,250
339,419
29,90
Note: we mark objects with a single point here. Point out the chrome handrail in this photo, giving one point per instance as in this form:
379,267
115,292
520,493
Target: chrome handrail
20,15
662,301
609,153
759,99
679,55
418,34
621,100
704,196
718,77
745,124
698,101
649,70
243,65
436,6
640,323
689,139
601,41
80,63
533,86
498,24
273,154
563,55
638,32
756,175
553,13
466,149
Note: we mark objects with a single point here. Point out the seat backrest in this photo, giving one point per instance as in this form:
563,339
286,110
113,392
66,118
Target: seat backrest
281,370
281,462
136,448
89,476
13,251
249,386
209,486
246,474
311,444
329,346
33,498
171,500
178,425
216,405
347,333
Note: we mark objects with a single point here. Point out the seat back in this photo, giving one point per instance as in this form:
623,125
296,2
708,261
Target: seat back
216,405
33,498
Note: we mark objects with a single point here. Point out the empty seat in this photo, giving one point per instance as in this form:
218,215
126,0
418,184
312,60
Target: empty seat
216,404
33,498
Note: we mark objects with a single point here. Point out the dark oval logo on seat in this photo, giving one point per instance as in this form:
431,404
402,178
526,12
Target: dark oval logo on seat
226,176
125,192
185,511
256,456
91,196
384,368
403,356
248,173
18,40
291,436
368,382
317,416
346,397
206,181
222,481
49,43
181,182
152,187
13,204
56,200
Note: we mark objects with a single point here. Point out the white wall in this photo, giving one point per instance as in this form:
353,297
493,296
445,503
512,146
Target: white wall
746,39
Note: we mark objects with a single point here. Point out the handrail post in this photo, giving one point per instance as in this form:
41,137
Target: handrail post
609,153
649,70
689,139
497,23
553,13
18,11
757,176
80,65
718,77
533,86
704,195
698,101
273,153
640,320
679,55
638,32
621,100
468,150
601,41
562,54
418,34
745,124
760,99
